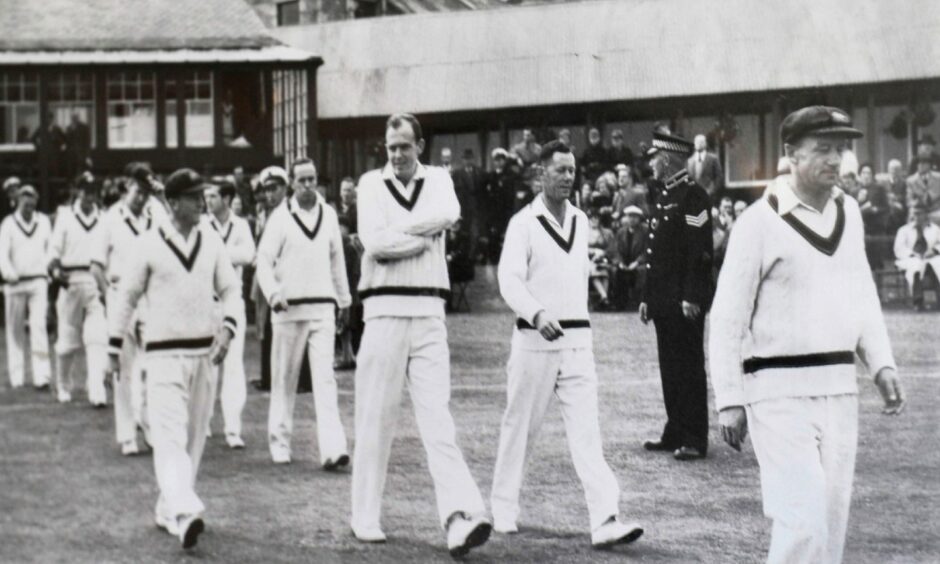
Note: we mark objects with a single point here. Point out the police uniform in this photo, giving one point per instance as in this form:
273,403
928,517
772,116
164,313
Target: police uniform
795,304
23,253
79,307
679,262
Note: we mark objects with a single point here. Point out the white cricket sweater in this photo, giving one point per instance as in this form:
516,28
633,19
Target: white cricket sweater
545,266
179,279
404,267
300,258
239,242
74,237
781,296
24,250
119,240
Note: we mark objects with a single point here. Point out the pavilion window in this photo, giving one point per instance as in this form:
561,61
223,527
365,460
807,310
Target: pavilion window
73,94
19,110
199,122
132,110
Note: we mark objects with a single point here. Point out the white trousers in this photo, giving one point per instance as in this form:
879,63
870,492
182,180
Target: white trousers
533,377
81,323
180,393
395,349
232,379
806,451
30,297
129,395
916,266
289,342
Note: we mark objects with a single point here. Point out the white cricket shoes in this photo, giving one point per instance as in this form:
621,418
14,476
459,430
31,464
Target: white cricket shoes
234,441
464,534
613,532
280,456
129,448
64,396
168,524
373,535
190,527
505,527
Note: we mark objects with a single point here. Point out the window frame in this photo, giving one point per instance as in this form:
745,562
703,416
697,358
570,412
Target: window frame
141,78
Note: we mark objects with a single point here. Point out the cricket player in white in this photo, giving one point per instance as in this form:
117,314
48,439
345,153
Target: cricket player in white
302,274
24,246
404,210
123,227
240,245
795,304
79,307
180,268
543,276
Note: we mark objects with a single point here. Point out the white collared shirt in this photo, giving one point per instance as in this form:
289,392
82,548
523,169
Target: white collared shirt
788,202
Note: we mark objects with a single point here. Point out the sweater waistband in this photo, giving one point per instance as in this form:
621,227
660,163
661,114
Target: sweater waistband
405,291
310,300
76,268
754,364
564,323
181,344
27,278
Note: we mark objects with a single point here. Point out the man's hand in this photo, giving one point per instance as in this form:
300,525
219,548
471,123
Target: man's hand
690,311
220,346
732,421
278,303
644,316
548,326
356,243
114,366
889,384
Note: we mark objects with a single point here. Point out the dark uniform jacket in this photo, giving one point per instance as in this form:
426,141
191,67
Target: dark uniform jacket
679,250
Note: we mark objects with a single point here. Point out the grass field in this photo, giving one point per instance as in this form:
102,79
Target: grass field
66,494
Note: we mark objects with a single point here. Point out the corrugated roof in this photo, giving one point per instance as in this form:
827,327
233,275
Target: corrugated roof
104,25
614,50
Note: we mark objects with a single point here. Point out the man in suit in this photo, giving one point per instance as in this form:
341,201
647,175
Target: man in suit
924,186
347,203
926,149
705,169
677,295
468,184
594,157
618,153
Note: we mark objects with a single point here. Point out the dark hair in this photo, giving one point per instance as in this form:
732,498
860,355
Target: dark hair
397,120
348,179
227,190
549,149
299,162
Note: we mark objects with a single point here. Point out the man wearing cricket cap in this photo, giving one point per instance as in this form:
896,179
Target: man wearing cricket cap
179,268
24,242
795,305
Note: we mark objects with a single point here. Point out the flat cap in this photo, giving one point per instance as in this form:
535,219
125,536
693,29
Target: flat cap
140,172
817,120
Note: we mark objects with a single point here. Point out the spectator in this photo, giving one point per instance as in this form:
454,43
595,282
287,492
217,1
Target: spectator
77,145
446,160
705,169
460,264
499,189
468,185
739,207
238,207
926,149
629,193
897,212
722,222
894,179
873,201
527,150
924,186
243,188
630,271
848,182
349,334
8,202
601,247
594,159
564,137
603,194
917,250
618,153
347,204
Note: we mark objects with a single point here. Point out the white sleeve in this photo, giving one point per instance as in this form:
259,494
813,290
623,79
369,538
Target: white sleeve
379,239
338,265
430,220
269,248
6,248
228,287
57,240
130,288
732,309
242,251
513,271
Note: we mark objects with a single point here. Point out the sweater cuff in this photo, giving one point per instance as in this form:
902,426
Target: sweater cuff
230,324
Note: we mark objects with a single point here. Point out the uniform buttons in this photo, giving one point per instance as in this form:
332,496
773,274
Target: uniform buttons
648,266
659,206
652,236
650,251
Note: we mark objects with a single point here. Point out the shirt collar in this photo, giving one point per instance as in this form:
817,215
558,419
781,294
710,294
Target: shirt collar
295,206
389,174
787,200
539,208
77,210
177,238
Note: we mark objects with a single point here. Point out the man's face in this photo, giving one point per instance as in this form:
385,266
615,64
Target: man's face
274,193
700,143
924,150
347,193
445,158
594,136
305,183
623,178
402,149
726,207
658,164
739,207
27,205
631,220
527,136
137,195
923,167
815,160
920,218
617,141
895,169
866,176
558,176
187,208
239,173
87,199
214,201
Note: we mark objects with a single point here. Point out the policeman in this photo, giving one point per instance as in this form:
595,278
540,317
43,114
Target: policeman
678,293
